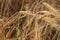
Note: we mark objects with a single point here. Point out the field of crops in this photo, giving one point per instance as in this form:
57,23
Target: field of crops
29,19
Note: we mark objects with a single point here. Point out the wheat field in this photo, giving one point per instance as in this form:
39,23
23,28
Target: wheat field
29,19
